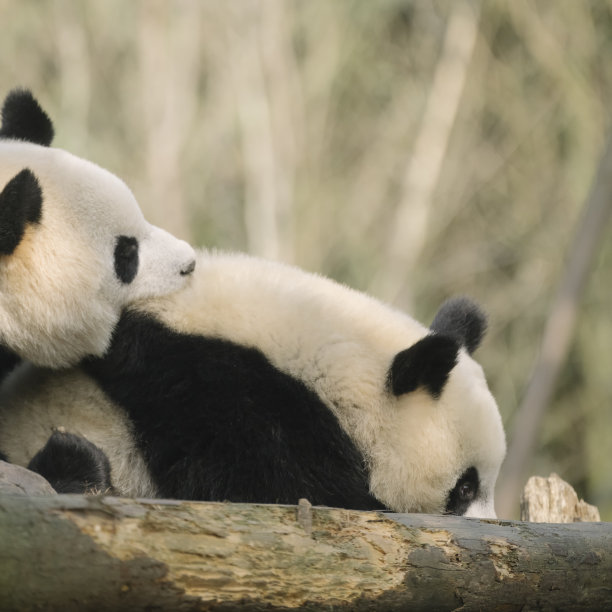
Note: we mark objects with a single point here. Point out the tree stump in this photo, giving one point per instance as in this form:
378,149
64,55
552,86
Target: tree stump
552,500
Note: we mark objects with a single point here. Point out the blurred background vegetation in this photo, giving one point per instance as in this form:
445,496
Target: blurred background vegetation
412,149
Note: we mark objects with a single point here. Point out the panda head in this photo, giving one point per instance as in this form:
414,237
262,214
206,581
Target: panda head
446,414
74,245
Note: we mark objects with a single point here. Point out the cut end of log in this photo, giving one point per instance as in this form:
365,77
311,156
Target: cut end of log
552,500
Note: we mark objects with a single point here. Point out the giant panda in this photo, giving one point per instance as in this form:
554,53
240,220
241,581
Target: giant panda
75,249
260,382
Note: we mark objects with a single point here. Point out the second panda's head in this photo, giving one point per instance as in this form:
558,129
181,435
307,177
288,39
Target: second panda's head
446,422
75,248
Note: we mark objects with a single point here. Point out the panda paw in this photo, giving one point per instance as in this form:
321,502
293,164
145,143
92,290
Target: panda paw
72,464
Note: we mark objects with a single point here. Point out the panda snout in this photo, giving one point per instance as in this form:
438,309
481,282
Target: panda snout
189,268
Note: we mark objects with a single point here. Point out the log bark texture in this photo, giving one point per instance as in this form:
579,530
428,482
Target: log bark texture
69,552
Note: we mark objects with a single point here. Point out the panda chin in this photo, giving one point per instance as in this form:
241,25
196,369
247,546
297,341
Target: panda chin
60,344
482,510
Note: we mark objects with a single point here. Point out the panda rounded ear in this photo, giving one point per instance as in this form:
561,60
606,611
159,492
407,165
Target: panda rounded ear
24,119
427,363
20,204
463,320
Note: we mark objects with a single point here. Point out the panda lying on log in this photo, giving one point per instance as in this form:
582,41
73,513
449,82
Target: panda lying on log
259,382
75,250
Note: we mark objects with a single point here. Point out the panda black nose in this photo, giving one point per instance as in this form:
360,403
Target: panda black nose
189,268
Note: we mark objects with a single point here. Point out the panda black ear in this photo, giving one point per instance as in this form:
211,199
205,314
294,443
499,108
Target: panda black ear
463,320
24,119
20,204
427,363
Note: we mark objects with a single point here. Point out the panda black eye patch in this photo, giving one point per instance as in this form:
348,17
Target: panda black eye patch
463,493
126,259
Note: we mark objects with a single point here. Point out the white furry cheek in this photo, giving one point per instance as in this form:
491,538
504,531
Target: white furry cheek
481,509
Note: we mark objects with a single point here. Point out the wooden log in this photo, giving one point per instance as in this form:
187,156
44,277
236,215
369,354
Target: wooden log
69,552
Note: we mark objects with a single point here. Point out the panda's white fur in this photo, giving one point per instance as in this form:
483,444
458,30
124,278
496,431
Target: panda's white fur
60,297
338,342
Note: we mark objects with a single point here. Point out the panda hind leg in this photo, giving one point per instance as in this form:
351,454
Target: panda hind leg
72,464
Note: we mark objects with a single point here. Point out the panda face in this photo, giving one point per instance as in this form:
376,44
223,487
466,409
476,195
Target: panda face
441,392
141,260
461,434
75,248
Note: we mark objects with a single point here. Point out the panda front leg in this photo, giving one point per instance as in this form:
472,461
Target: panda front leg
72,464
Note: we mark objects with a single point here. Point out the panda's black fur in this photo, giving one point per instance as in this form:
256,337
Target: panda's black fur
72,464
251,433
24,119
461,319
8,360
21,198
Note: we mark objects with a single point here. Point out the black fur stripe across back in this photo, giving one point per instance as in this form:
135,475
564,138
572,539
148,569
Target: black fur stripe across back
250,433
